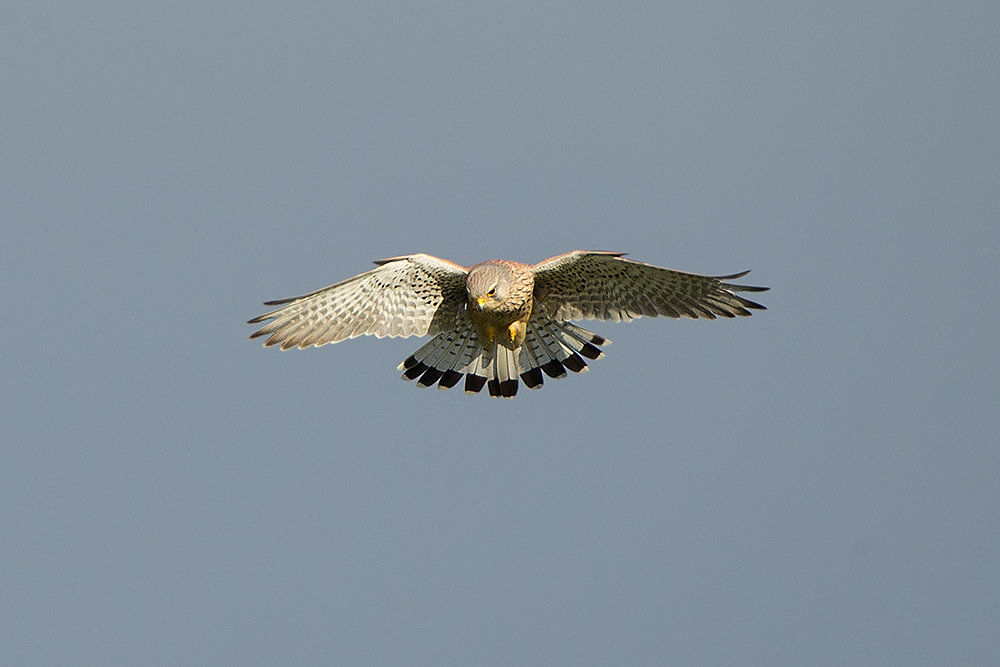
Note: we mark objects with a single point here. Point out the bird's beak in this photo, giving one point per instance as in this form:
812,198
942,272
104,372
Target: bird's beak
482,300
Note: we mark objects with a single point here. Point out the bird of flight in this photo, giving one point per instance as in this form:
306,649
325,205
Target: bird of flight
498,321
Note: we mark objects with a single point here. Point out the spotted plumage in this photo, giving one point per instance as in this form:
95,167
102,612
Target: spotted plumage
499,321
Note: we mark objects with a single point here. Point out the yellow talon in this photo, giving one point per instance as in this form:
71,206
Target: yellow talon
512,329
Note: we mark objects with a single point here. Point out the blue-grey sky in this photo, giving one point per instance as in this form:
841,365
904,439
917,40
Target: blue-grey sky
816,485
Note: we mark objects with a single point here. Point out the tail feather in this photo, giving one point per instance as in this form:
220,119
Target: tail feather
530,367
475,376
590,342
502,378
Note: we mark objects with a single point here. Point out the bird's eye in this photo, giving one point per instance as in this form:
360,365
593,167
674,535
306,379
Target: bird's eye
492,292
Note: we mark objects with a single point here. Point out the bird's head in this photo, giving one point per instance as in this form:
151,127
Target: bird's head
488,284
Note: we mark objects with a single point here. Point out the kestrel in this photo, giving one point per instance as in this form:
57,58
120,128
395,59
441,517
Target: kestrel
497,321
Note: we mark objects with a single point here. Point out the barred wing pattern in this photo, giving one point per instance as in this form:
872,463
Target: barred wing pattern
606,286
413,295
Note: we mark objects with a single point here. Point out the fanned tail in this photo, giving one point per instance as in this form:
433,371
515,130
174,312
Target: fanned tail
549,348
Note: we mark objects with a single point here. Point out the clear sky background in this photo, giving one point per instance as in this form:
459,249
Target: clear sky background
816,485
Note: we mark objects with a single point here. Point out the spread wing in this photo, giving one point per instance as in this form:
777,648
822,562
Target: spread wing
606,286
412,295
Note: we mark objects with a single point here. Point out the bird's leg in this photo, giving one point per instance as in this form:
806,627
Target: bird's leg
517,331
